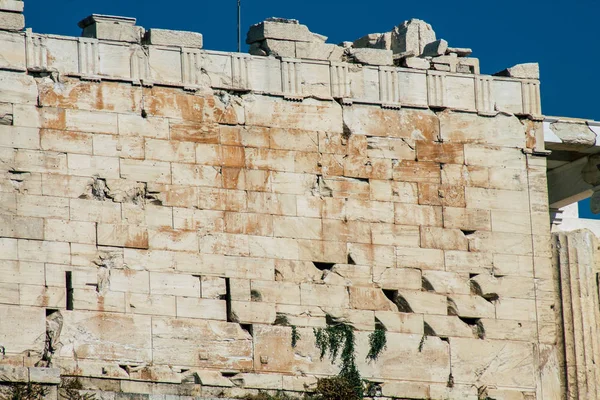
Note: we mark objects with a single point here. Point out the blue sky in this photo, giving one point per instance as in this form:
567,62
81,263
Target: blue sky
563,36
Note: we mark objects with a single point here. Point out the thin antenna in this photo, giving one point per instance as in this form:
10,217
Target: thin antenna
239,25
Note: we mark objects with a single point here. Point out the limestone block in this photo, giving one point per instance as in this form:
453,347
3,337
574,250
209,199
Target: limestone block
9,249
489,156
298,383
516,309
14,374
431,364
405,123
84,165
445,239
501,130
279,248
127,280
57,185
297,271
119,235
42,162
369,211
12,5
308,316
165,238
91,300
371,56
425,302
465,175
276,292
395,235
525,331
400,149
30,322
412,171
42,296
416,63
310,114
21,227
509,364
471,262
446,153
146,170
467,219
108,27
12,46
434,49
70,231
321,251
166,37
109,337
9,293
319,51
174,284
402,192
375,255
22,272
12,21
395,278
259,381
194,307
17,88
115,146
412,35
400,322
44,251
523,71
406,389
135,125
279,29
348,275
496,199
324,295
364,298
139,303
573,135
419,258
501,242
252,312
448,282
449,326
468,306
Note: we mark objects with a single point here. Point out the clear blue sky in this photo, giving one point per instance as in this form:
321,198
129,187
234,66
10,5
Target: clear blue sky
563,36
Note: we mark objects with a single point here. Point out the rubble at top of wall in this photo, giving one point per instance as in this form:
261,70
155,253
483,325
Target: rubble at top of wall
408,66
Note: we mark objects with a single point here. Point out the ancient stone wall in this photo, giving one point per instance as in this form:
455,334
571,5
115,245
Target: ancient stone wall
165,233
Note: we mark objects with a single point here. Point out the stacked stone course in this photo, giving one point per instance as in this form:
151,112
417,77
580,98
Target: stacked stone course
156,231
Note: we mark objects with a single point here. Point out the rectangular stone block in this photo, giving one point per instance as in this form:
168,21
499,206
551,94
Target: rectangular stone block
174,284
70,231
166,37
43,251
146,170
30,322
42,206
467,219
154,304
324,295
253,312
298,228
122,236
12,21
445,153
194,307
444,239
419,215
89,299
276,292
21,227
165,238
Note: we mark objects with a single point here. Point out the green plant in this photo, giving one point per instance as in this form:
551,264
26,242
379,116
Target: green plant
23,391
337,388
295,336
338,339
69,389
377,342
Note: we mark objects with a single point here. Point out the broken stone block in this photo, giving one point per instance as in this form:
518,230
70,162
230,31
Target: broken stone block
108,27
468,66
523,71
279,48
445,63
374,41
166,37
416,63
435,49
281,29
372,56
412,35
459,51
319,51
11,21
574,134
15,6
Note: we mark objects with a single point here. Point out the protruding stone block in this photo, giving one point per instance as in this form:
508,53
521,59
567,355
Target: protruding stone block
281,29
416,63
15,6
523,71
166,37
434,49
372,56
11,21
412,35
109,27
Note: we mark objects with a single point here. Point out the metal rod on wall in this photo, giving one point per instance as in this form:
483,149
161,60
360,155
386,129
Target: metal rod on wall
239,25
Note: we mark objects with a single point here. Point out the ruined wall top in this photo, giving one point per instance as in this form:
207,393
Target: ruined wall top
407,66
